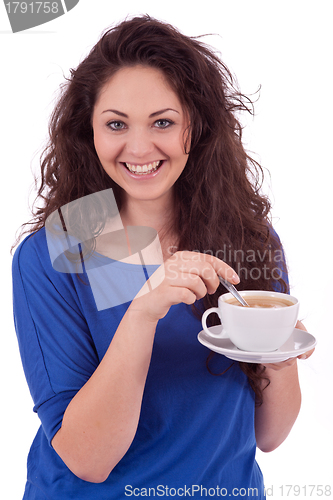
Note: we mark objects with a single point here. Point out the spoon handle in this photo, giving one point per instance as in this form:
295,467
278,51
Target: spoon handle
233,291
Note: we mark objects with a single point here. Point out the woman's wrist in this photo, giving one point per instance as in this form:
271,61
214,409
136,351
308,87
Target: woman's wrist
139,311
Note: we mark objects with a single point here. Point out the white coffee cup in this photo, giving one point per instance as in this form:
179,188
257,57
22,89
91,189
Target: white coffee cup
258,328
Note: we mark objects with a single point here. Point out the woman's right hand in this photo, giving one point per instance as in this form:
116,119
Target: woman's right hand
184,277
101,420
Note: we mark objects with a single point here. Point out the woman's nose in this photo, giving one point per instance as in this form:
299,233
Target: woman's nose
139,144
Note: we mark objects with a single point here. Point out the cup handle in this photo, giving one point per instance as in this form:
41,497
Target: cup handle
204,324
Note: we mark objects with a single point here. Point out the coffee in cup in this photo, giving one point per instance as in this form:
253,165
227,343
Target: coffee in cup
263,327
262,301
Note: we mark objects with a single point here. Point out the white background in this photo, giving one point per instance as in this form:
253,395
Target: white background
284,46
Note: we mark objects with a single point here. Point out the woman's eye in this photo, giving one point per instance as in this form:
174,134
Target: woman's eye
116,125
163,123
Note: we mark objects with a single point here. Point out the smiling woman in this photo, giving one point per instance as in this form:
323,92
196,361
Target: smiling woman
123,393
144,152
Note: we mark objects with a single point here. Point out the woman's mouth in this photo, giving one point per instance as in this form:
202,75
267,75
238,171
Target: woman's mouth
148,168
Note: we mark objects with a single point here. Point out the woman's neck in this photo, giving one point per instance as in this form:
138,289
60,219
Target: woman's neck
157,214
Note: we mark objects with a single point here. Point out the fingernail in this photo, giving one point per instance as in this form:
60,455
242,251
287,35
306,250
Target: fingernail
235,278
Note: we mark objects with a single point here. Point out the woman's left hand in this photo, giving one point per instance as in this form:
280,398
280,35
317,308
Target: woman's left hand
290,361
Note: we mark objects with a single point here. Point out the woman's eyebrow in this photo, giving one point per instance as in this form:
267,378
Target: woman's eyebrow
162,111
116,112
150,116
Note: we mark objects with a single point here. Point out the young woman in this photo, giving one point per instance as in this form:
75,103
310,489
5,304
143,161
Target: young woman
128,399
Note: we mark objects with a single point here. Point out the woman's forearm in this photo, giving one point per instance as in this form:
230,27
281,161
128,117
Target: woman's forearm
281,404
100,422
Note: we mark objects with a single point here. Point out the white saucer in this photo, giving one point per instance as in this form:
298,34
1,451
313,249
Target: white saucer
298,343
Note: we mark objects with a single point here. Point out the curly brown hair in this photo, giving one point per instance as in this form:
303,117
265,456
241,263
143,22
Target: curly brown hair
219,207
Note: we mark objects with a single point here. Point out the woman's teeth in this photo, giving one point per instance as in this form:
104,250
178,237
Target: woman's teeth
144,169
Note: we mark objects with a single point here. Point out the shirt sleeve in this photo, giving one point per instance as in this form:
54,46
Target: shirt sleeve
56,347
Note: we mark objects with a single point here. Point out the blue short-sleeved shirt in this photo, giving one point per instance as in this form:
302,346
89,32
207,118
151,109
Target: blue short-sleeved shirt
196,430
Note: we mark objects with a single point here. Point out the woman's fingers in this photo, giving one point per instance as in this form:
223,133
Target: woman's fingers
306,355
184,277
300,326
193,282
207,267
222,269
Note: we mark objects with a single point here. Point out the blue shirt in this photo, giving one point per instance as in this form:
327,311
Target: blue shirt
195,435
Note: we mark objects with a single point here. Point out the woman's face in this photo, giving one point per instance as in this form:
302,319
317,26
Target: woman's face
139,123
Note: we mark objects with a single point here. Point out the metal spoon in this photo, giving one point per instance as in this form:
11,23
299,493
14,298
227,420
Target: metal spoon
233,291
